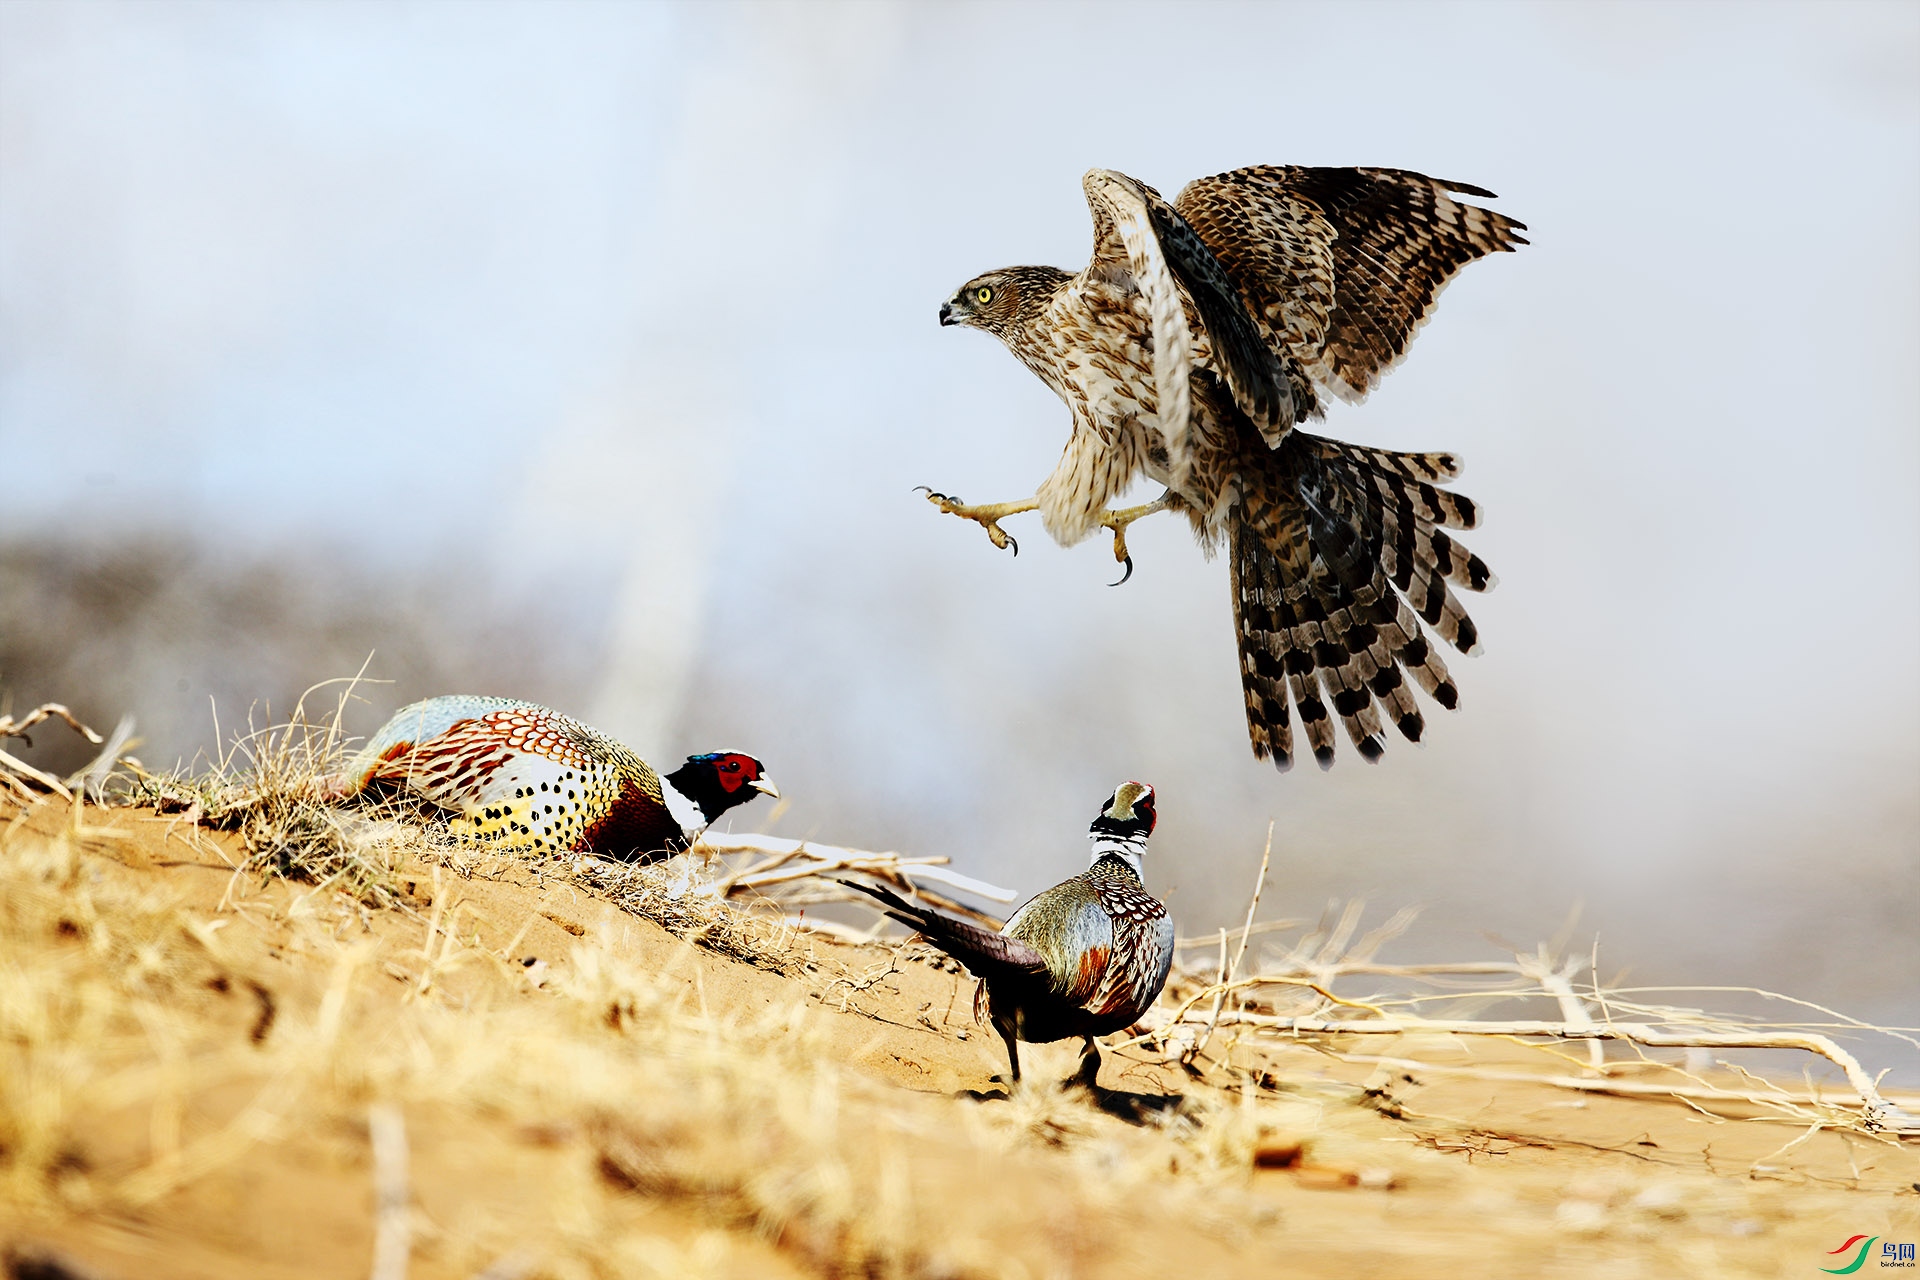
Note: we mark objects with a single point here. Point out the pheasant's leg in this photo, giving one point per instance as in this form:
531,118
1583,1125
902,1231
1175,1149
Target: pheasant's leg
987,516
1008,1033
1118,522
1089,1066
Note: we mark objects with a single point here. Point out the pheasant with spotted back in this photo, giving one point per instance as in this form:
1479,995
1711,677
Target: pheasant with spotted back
1084,958
520,776
1191,347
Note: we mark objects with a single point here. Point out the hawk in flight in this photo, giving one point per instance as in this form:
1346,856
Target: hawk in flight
1201,335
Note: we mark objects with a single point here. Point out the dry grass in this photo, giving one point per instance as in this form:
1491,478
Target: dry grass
265,788
1294,995
117,1003
501,1066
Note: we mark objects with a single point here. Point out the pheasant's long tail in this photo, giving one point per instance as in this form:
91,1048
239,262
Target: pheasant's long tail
985,953
1338,555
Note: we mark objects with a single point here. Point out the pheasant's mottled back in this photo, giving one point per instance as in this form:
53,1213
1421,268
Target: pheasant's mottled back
522,776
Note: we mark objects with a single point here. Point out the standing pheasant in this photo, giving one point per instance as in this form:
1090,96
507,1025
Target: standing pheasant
520,776
1084,958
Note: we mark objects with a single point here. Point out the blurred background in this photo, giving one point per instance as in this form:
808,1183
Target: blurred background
587,353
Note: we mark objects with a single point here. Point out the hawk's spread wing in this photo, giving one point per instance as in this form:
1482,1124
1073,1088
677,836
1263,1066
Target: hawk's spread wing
1341,267
1139,233
1124,242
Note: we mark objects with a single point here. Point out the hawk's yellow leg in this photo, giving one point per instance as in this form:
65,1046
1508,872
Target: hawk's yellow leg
1118,522
989,515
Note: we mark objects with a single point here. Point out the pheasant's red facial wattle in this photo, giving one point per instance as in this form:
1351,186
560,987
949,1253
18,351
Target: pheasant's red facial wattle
720,780
736,771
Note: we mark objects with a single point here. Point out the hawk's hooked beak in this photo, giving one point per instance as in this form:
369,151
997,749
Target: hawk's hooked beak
765,787
946,313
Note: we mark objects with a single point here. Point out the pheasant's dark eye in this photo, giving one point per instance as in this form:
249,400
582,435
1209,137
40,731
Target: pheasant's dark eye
983,294
731,766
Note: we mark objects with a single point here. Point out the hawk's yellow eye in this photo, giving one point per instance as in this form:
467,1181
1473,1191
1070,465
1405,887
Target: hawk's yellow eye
984,294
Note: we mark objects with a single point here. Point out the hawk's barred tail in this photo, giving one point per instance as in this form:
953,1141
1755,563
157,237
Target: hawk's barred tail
1331,581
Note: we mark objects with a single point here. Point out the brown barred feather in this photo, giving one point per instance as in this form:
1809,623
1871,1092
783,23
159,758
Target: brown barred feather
1331,584
1400,482
1341,587
1360,254
1411,538
1262,668
1243,351
1343,558
1280,253
1411,466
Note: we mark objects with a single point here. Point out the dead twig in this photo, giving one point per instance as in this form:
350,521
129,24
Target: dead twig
1877,1114
392,1225
800,859
1228,971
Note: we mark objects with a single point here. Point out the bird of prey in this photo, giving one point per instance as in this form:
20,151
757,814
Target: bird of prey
521,776
1084,958
1191,348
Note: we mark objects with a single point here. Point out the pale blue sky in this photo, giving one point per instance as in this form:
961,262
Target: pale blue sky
650,292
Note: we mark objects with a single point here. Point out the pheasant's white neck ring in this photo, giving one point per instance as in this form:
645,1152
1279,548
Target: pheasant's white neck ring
1129,850
686,813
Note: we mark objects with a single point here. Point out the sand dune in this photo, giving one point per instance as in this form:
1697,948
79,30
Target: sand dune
193,1058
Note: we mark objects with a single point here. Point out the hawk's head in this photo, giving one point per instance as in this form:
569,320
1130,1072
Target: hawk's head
1000,300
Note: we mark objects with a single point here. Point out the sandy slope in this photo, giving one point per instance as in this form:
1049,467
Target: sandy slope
189,1058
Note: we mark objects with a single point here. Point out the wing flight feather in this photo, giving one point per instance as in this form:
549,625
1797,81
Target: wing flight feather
1342,266
1173,267
1122,222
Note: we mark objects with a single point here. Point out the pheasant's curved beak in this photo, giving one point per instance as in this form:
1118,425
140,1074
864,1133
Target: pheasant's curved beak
765,786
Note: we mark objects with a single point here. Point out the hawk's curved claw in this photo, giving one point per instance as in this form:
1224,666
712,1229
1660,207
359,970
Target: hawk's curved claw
987,517
1120,552
1118,522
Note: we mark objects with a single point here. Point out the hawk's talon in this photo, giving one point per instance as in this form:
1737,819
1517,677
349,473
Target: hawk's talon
987,517
1118,522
